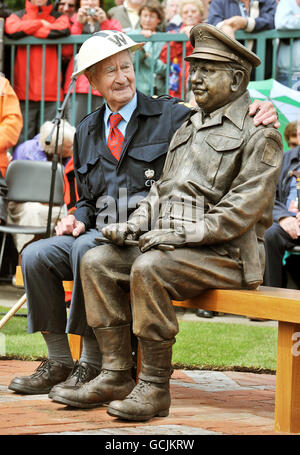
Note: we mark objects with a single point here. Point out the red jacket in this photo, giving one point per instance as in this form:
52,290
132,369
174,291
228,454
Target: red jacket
176,52
82,84
28,22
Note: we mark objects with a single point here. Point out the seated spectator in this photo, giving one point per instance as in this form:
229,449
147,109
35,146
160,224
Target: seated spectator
287,17
151,15
11,121
127,14
34,213
290,135
285,231
89,19
172,16
191,12
38,19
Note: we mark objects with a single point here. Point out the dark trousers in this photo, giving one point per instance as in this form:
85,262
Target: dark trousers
277,241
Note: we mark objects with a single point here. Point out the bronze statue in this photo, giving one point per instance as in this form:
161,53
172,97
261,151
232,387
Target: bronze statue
212,203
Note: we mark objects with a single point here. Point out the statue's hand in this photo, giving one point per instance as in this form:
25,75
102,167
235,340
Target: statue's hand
161,236
119,232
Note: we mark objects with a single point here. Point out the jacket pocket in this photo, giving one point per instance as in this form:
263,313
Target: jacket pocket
91,178
219,146
145,164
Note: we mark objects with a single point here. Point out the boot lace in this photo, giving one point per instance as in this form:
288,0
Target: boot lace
45,366
141,388
80,372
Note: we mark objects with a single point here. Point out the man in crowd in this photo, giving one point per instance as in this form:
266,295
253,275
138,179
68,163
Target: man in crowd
211,205
115,165
285,230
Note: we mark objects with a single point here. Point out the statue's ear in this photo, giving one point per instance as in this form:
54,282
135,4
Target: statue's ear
238,80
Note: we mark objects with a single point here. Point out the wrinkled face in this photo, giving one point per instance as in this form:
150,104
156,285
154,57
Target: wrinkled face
114,78
149,20
190,14
211,84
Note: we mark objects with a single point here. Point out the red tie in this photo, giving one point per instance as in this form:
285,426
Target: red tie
115,138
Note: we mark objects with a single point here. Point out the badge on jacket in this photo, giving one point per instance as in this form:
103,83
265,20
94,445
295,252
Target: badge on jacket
149,174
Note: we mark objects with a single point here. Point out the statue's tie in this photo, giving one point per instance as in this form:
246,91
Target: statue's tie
115,138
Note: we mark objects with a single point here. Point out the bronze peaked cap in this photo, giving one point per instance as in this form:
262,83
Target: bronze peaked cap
210,43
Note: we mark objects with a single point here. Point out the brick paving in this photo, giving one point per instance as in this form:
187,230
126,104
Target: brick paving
203,403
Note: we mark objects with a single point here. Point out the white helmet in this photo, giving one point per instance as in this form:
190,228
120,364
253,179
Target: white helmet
100,46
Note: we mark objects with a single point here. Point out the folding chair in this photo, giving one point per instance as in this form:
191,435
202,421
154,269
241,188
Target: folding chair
30,181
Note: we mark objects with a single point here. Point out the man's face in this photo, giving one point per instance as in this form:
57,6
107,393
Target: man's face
114,78
211,84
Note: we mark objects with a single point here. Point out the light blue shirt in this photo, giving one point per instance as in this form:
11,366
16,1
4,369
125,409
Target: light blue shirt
126,113
287,17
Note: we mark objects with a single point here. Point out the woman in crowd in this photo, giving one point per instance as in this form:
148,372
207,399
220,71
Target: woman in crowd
191,12
150,67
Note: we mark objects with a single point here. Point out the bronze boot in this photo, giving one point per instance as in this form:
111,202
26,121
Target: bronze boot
151,396
114,381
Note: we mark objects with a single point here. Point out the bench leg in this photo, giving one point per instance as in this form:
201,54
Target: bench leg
287,400
75,342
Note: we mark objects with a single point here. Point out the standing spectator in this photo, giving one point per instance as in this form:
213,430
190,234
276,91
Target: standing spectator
191,12
89,19
247,15
38,19
151,15
287,17
172,16
11,121
127,14
67,7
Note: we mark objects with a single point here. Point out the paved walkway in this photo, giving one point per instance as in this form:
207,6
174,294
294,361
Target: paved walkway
203,402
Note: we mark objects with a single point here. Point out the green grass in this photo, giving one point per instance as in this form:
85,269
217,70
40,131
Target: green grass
203,345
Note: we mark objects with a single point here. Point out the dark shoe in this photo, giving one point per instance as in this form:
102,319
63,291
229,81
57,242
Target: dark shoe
107,386
81,373
146,401
47,374
204,313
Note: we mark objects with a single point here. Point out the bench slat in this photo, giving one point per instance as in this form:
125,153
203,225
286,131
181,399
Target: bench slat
266,302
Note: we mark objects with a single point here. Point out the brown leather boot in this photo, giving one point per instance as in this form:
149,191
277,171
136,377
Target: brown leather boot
151,396
48,374
114,381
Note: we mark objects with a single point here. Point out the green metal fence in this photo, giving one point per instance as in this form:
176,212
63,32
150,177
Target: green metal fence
263,42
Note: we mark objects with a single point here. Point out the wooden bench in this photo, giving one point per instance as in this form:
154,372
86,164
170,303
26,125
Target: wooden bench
282,305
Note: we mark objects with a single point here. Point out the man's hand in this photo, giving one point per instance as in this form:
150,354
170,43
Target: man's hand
70,226
161,236
119,232
236,22
291,225
264,112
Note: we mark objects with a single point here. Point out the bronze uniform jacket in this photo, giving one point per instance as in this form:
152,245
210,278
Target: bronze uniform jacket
218,185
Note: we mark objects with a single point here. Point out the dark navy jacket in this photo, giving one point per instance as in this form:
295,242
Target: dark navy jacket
291,160
224,9
110,190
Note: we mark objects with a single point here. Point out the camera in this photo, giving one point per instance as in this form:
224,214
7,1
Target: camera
91,12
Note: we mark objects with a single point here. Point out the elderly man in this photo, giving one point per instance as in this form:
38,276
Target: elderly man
115,167
210,209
